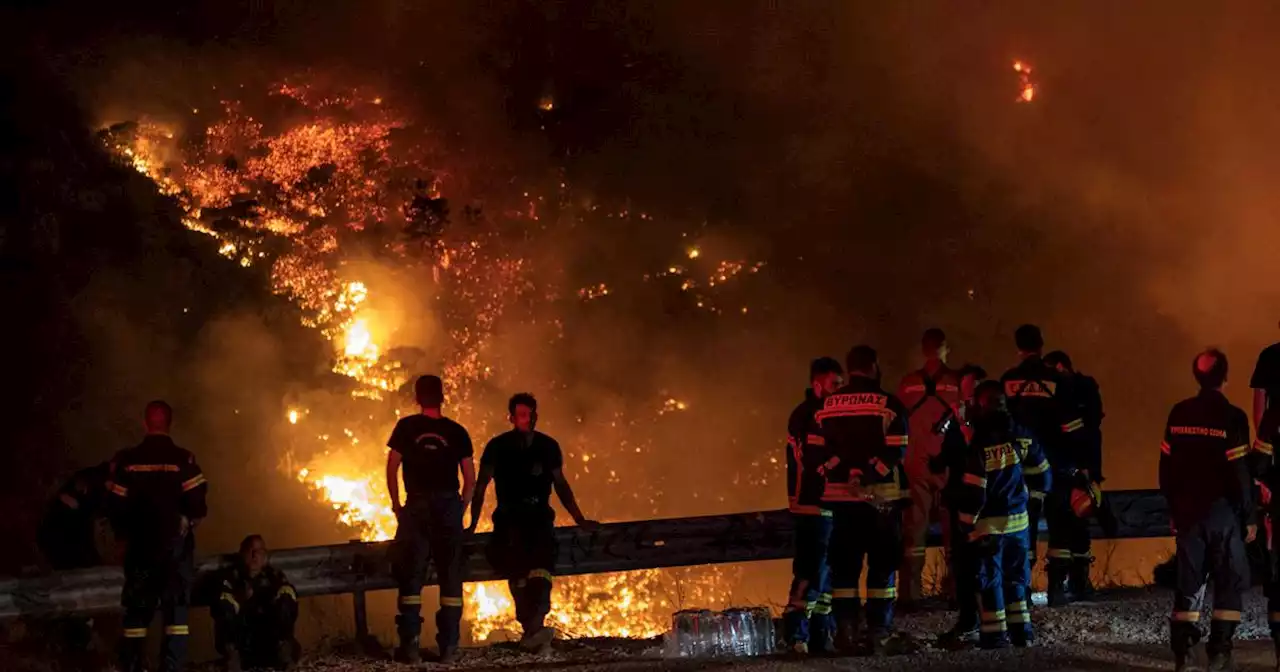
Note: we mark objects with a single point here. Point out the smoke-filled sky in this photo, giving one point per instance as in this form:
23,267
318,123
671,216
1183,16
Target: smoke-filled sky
873,155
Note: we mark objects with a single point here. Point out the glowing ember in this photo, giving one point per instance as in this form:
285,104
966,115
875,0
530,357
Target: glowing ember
293,417
1027,88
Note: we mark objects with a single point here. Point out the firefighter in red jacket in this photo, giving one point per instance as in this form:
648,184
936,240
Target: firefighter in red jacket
857,441
1205,477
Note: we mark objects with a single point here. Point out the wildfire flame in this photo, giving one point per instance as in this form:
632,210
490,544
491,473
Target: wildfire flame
288,199
1027,88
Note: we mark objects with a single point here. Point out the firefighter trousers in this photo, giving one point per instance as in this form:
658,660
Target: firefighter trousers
523,550
1069,541
808,615
257,629
864,534
926,508
964,570
1004,580
156,576
430,533
1211,548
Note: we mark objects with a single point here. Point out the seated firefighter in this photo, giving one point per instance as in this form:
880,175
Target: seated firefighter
255,612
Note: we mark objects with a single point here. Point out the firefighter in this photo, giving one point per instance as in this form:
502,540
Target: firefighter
256,609
930,394
1042,401
525,465
1265,381
962,565
857,439
157,500
808,620
1004,467
1205,478
1086,493
1266,471
432,450
68,536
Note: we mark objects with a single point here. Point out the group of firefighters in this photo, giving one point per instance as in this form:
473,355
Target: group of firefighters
868,471
154,496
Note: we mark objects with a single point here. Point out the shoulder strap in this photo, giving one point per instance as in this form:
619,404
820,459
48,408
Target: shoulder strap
930,390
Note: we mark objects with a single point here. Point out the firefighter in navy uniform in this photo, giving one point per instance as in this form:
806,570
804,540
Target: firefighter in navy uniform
930,395
255,613
157,499
432,450
1004,467
1042,401
1086,493
857,441
808,621
525,465
67,537
1204,476
1267,472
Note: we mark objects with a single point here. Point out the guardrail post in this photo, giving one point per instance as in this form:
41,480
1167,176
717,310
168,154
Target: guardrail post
362,616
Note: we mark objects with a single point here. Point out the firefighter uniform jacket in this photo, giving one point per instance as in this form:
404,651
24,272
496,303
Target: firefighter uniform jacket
799,480
1004,466
1043,402
929,401
254,596
857,438
153,485
1203,459
1263,465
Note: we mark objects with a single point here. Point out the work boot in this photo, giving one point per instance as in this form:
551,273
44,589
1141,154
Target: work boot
1057,589
231,660
285,657
1079,583
1221,634
958,638
800,649
846,635
1183,637
449,655
539,642
409,651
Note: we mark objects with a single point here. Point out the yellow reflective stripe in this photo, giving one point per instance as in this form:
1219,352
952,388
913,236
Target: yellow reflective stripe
896,440
1000,457
844,593
1018,617
450,601
1036,494
1226,615
1237,452
822,609
1164,447
1036,469
1186,616
972,479
882,593
410,599
540,574
1000,525
286,590
993,627
1262,447
1072,426
1059,553
135,633
193,482
825,597
815,440
117,489
151,467
177,630
993,616
230,599
1015,607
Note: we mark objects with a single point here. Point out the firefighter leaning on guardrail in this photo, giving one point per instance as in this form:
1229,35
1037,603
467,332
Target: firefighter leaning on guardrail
255,612
157,499
68,539
1004,469
432,449
808,621
1205,478
857,440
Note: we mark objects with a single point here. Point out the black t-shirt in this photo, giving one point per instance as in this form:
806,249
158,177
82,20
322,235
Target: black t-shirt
522,469
431,449
1266,374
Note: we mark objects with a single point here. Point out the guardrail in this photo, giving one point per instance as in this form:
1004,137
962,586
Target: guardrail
357,567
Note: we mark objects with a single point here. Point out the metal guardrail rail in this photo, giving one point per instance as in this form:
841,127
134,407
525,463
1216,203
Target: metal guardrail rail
356,568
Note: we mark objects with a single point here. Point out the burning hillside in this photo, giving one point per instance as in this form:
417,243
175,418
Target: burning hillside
342,200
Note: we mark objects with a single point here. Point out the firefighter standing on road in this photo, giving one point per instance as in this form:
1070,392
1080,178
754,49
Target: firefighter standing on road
1265,467
432,449
1004,467
1043,402
857,440
1204,476
158,498
930,394
525,465
808,618
1086,492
